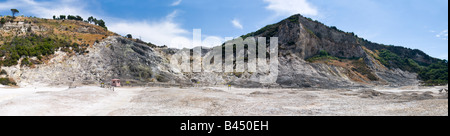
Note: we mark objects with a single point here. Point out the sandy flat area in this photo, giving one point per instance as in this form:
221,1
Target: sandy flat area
212,101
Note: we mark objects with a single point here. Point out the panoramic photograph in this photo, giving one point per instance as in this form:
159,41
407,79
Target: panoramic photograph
223,58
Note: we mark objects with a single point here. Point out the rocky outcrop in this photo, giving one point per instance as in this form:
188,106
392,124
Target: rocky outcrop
301,38
21,28
114,57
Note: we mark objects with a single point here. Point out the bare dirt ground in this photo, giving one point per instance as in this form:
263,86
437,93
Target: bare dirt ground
212,101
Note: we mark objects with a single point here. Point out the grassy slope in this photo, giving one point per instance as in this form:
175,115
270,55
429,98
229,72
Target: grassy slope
37,47
64,35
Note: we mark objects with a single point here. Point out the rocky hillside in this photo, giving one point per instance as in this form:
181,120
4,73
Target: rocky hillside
312,54
360,60
67,52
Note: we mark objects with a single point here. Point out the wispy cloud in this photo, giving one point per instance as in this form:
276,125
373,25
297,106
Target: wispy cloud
290,7
176,3
237,24
172,15
443,35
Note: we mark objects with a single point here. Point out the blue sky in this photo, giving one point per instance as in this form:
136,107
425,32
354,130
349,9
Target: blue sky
417,24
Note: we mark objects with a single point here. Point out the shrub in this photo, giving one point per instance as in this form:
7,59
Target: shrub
361,67
26,62
323,53
334,27
3,21
101,23
3,72
70,17
7,81
35,46
79,18
129,36
162,78
435,74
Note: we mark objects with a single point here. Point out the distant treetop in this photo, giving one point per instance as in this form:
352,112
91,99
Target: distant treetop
91,20
14,12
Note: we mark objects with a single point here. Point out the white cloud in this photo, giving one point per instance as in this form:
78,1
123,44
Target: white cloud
46,9
291,7
176,3
160,32
237,24
443,35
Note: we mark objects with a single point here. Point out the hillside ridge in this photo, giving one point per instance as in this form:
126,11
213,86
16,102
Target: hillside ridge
311,54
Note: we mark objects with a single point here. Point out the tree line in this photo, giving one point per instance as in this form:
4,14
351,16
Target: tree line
90,20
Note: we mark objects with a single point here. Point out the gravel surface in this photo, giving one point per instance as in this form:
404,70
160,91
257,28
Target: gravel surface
95,101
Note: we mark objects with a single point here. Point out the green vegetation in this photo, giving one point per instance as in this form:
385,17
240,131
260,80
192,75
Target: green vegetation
3,72
268,31
392,60
91,19
101,23
7,81
358,64
14,12
361,67
417,55
3,21
129,36
78,18
34,46
69,17
161,78
323,55
294,19
312,33
432,71
433,74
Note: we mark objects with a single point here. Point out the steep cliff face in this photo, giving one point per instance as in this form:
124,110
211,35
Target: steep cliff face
344,62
